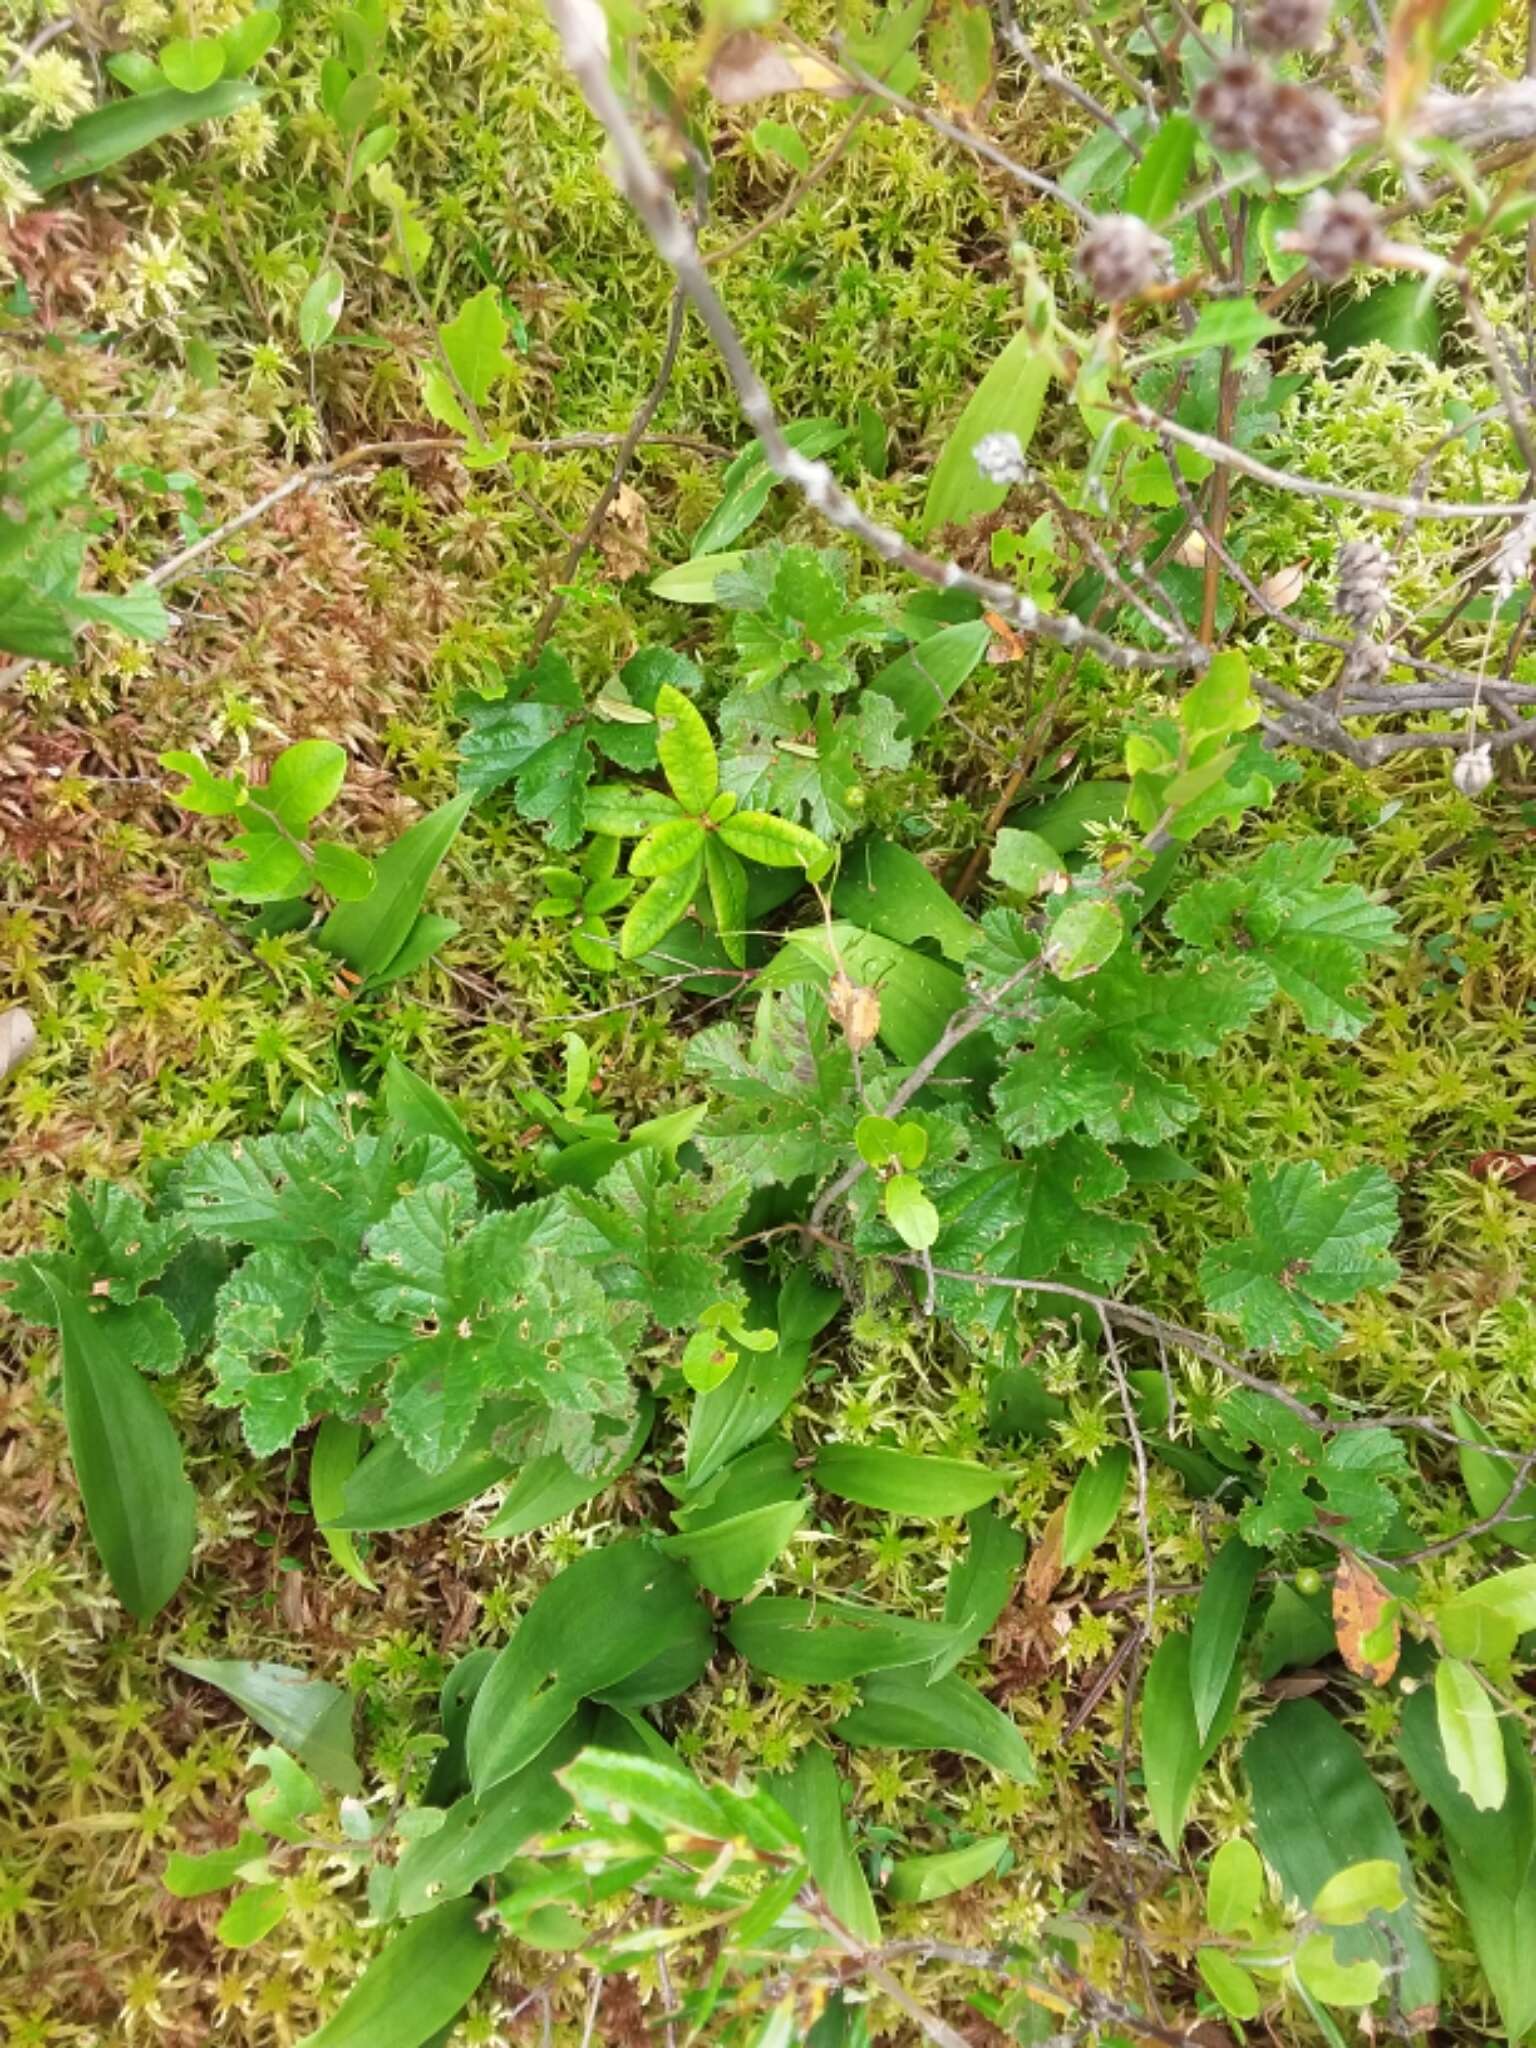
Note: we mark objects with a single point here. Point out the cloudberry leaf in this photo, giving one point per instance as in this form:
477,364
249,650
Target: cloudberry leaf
656,1236
1094,1043
1311,937
786,1108
1313,1241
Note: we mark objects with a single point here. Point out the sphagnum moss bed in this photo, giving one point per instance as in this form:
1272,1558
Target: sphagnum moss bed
361,611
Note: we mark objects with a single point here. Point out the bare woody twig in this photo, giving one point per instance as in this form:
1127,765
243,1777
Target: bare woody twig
583,33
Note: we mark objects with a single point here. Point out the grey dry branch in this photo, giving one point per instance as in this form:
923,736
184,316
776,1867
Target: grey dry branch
582,28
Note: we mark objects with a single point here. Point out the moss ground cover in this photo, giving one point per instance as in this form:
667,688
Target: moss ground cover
359,611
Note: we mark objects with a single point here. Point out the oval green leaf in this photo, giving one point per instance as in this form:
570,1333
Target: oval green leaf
193,63
653,914
696,582
139,1504
921,1879
1470,1736
418,1983
1007,400
686,750
1093,1504
904,1482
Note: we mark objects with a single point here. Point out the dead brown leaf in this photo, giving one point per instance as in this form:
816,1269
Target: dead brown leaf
854,1010
1042,1575
1284,587
624,538
1513,1170
750,67
1029,1631
1362,1607
1295,1685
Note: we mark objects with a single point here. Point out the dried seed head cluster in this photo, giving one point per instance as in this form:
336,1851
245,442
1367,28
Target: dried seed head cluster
1229,102
1120,257
1287,24
1338,230
1362,593
1291,129
1365,665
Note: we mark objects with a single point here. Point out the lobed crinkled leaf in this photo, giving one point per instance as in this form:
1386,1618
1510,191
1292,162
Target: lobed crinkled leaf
1313,1241
1094,1043
785,1107
1311,937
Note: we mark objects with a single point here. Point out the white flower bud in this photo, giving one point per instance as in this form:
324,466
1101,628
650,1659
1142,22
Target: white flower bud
1473,770
1000,458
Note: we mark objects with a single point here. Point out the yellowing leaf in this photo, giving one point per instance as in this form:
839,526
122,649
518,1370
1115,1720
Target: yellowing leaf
1470,1734
1365,1621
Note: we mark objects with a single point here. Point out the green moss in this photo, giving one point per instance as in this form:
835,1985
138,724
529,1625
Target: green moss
359,612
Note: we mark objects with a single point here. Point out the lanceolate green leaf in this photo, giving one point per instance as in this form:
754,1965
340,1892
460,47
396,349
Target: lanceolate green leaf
981,1584
811,1794
1173,1753
1317,1809
818,1642
369,934
1221,1614
333,1458
389,1490
310,1718
904,1483
1491,1856
745,487
480,1835
922,681
139,1504
1159,181
101,139
1007,400
418,1984
905,1709
1093,1504
606,1619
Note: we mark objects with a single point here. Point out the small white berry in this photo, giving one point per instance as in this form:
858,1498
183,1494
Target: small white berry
1473,770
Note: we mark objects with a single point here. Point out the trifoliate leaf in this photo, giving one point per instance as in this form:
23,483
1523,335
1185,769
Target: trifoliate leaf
1311,937
1093,1044
1313,1241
